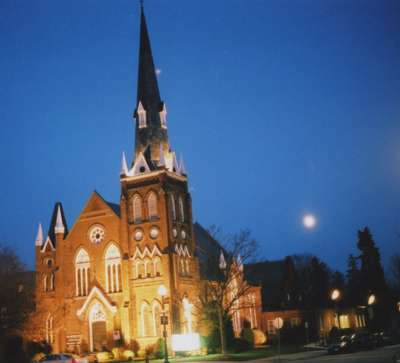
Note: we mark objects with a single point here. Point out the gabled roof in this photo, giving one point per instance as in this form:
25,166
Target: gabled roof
96,292
97,202
115,207
208,251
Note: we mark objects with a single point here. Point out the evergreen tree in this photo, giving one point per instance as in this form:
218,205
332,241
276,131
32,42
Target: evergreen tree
372,277
372,281
320,282
353,293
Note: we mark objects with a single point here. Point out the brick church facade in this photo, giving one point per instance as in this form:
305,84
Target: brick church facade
98,282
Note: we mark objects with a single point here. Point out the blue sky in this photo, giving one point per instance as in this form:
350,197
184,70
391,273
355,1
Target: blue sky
279,108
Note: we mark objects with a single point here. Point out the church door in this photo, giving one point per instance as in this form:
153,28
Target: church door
99,332
98,328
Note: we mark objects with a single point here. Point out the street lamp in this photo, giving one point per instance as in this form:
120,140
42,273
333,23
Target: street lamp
371,299
371,302
162,291
335,296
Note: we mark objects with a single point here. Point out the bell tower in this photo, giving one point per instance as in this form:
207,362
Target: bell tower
156,210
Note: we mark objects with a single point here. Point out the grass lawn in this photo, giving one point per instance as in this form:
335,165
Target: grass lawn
249,355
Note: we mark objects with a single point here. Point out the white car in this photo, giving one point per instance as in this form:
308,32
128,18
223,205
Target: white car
58,358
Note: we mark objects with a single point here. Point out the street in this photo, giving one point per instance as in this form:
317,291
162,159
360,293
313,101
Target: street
381,355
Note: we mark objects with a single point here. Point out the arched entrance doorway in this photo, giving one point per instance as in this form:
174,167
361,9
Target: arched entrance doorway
97,328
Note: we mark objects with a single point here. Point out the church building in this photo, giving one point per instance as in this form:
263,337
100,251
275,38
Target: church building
101,280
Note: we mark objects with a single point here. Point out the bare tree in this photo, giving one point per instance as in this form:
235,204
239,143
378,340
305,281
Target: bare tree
226,284
395,271
16,294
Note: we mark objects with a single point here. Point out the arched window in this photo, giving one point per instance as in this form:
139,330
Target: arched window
157,266
52,282
82,268
187,266
113,269
49,329
137,209
181,209
187,313
139,269
45,283
157,318
141,113
182,266
146,320
252,308
236,320
173,207
152,206
148,268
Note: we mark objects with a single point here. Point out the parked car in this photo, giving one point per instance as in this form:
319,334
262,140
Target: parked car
361,341
58,358
341,346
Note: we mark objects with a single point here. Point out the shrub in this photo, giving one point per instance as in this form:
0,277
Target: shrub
135,346
33,348
241,345
248,335
159,349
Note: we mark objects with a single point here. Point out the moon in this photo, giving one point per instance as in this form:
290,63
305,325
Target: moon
309,221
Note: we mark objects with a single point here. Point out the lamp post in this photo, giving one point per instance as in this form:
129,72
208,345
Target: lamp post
162,291
335,296
371,302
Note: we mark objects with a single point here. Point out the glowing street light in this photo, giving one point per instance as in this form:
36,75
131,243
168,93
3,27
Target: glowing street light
335,296
371,299
309,221
162,291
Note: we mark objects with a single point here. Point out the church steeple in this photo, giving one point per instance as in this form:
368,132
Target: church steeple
151,131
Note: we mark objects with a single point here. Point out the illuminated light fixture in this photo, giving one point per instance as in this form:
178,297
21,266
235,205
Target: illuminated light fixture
185,342
162,290
335,295
371,299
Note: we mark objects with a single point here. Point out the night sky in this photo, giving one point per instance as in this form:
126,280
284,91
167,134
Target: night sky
280,108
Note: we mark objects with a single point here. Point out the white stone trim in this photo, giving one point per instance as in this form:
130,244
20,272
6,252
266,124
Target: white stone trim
39,236
139,163
48,240
59,227
96,291
146,252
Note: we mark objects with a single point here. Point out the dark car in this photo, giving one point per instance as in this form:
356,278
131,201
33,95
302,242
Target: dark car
342,346
361,341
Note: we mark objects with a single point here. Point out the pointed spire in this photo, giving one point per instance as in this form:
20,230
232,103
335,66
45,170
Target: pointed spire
222,262
58,212
150,131
39,236
147,92
182,169
124,165
59,227
161,161
175,165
